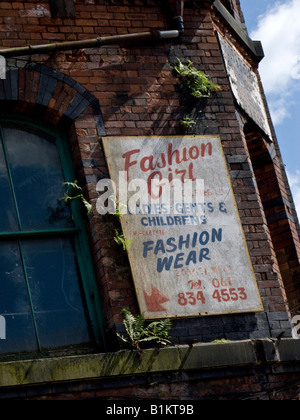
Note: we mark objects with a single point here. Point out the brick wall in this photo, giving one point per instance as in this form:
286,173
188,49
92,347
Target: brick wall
259,387
133,91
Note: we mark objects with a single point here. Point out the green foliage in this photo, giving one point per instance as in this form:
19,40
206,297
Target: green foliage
138,332
221,340
74,192
197,82
120,240
120,208
187,123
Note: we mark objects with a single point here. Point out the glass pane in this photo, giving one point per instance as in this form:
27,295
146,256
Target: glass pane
37,177
54,284
14,302
8,217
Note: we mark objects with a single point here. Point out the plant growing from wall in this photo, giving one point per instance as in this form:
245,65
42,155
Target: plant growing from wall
197,82
137,332
187,122
121,240
119,211
74,192
119,208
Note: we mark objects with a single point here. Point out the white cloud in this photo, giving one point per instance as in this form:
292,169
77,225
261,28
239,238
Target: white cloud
294,180
279,30
278,108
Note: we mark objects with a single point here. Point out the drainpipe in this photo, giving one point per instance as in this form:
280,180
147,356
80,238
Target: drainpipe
175,9
90,43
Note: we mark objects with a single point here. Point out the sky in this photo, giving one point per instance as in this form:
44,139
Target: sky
276,23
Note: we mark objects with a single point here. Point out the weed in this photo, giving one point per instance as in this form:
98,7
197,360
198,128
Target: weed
74,192
196,80
138,332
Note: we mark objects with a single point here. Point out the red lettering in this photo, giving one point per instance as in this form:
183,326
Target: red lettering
189,298
203,149
194,152
227,295
128,163
150,192
191,172
176,152
174,157
170,176
150,167
182,173
163,161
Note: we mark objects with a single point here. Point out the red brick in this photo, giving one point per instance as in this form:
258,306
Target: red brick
139,95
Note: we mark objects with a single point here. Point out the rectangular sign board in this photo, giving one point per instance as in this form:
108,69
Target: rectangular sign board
245,86
187,249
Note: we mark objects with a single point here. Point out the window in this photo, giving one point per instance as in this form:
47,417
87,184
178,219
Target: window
45,271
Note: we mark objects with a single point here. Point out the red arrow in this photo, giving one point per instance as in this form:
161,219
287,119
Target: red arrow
154,300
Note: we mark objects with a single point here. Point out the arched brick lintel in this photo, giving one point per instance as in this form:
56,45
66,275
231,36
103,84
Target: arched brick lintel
51,95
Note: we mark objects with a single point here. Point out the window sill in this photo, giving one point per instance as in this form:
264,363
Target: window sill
129,363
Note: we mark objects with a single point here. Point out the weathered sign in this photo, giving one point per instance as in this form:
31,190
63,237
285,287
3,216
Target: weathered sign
245,86
188,253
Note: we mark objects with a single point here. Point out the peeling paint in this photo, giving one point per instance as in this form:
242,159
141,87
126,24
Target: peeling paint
38,11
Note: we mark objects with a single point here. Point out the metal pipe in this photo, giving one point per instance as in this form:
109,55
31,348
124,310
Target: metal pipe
89,43
177,8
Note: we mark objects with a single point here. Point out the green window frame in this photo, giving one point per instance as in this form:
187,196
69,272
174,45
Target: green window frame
76,235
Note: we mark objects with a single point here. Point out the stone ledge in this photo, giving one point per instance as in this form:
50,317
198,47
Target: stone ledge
284,351
254,46
129,363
